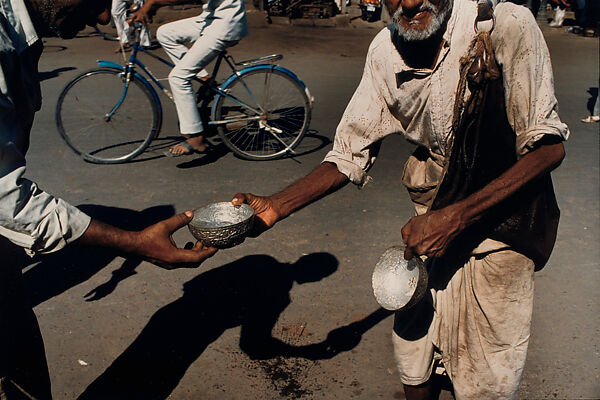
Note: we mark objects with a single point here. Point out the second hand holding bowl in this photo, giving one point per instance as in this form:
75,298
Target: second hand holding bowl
222,225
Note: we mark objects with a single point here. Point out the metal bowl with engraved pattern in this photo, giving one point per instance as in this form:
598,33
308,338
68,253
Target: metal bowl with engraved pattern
398,283
222,225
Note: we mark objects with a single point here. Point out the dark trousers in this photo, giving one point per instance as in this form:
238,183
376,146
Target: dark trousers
23,366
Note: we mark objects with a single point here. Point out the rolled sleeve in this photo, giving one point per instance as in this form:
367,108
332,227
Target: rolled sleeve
531,104
30,217
366,121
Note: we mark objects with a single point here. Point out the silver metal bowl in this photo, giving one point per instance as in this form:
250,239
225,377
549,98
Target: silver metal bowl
398,283
222,225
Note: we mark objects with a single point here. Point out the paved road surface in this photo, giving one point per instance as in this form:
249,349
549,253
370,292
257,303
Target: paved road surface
202,334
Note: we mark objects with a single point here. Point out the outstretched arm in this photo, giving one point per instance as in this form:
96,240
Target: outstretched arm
154,243
431,233
321,181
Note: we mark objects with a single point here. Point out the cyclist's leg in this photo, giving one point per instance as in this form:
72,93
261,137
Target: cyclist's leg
173,35
203,51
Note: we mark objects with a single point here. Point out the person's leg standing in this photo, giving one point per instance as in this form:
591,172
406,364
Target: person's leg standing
118,9
145,38
23,366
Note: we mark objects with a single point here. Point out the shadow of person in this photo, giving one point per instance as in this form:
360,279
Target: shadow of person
251,292
49,275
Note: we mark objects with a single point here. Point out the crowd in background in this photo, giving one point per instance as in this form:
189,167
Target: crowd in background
586,14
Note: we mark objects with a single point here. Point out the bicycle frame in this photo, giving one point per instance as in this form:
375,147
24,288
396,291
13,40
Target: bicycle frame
249,65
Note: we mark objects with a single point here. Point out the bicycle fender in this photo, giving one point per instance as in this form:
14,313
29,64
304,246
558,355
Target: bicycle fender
258,67
114,65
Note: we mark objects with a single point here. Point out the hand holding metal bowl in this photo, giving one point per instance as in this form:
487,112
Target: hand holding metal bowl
398,283
222,225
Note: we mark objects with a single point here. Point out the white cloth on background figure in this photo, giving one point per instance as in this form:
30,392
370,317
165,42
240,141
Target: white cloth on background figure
119,14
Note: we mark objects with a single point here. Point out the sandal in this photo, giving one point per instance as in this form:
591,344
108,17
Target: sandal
190,149
591,118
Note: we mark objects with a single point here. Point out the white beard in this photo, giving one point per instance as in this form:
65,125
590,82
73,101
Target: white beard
439,17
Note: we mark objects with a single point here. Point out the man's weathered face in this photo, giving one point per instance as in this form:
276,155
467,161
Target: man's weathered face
67,17
417,20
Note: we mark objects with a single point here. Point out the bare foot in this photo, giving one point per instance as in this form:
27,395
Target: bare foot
191,145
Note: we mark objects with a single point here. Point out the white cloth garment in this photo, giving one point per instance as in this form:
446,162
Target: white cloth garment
119,14
393,98
477,319
388,101
29,217
221,24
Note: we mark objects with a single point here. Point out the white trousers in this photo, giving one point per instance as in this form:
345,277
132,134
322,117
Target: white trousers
118,12
189,63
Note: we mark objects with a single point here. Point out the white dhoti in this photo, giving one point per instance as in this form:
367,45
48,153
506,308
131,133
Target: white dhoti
475,321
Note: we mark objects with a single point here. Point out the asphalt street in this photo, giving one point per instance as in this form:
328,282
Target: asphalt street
241,325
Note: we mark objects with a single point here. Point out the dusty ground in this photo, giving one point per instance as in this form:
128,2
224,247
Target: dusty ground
114,325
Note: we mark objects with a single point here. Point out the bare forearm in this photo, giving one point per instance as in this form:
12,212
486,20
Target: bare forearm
103,235
532,166
430,234
324,179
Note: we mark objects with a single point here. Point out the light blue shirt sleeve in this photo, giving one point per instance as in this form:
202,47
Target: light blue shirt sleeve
29,217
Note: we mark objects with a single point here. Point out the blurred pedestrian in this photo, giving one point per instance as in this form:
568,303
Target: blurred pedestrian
119,14
560,11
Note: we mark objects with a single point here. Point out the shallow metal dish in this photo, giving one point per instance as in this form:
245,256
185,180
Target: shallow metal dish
398,283
222,225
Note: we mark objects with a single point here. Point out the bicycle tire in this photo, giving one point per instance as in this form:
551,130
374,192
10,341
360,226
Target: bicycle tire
285,114
82,108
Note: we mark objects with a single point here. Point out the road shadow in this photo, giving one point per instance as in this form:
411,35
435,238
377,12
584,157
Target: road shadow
49,275
53,48
251,292
45,75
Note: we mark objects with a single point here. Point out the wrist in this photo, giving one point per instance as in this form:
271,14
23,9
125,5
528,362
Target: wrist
280,207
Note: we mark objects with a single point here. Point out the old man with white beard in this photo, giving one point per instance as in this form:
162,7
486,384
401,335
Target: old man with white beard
474,325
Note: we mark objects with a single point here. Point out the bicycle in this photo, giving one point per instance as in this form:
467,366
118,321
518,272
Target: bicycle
261,111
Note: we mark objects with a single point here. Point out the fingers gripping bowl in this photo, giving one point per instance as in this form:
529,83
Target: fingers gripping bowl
222,225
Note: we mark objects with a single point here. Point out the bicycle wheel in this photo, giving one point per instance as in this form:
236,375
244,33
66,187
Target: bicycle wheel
269,113
104,122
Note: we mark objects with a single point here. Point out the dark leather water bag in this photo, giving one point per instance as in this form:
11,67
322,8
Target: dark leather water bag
483,148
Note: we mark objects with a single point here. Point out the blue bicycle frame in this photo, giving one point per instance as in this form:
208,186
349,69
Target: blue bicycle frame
250,65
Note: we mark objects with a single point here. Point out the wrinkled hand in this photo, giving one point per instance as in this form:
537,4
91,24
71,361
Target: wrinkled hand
431,233
156,245
265,211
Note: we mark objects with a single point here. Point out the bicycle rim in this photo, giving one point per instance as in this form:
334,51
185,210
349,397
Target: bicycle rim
275,119
81,116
